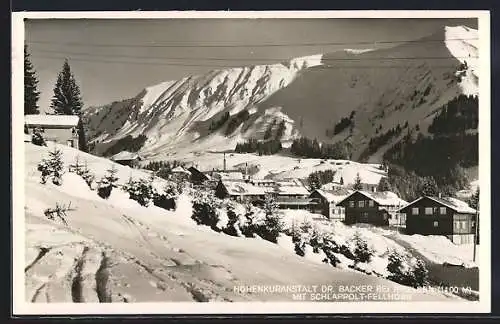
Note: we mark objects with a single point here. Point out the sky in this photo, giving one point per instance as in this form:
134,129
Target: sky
115,59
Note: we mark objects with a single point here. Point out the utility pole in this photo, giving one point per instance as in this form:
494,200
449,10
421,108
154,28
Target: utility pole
475,232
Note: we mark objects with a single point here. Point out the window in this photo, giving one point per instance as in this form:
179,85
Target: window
361,203
428,210
414,211
442,210
436,223
351,203
371,203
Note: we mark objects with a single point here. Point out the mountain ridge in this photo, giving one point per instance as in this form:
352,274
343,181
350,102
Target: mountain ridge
309,93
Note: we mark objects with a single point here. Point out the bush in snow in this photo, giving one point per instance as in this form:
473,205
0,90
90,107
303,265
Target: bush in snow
251,221
362,253
53,167
141,190
83,171
37,138
168,199
205,206
58,213
420,273
232,227
107,183
273,224
316,239
406,271
330,247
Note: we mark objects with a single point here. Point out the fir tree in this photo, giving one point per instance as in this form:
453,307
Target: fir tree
52,167
384,185
429,187
273,224
67,100
420,274
357,183
31,94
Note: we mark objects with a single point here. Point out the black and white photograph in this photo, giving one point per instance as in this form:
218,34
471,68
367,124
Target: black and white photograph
256,162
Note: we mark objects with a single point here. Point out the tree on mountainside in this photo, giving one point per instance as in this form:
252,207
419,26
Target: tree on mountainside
384,184
474,200
429,187
31,94
357,183
67,100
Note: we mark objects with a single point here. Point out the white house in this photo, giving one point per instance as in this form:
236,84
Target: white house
57,128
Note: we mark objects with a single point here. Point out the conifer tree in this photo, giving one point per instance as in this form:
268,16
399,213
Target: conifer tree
384,184
357,182
31,94
474,200
429,187
67,100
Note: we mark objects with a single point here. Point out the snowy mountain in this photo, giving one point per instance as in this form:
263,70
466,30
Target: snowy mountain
384,87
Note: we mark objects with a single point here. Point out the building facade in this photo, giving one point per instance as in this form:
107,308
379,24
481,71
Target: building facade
449,217
127,158
376,208
325,203
60,129
288,195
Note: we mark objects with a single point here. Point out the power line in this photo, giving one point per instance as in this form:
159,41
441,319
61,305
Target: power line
249,45
251,59
229,66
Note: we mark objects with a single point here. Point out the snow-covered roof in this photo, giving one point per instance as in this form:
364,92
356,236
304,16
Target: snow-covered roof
51,120
335,195
453,203
179,169
243,188
383,198
124,156
240,187
229,175
291,190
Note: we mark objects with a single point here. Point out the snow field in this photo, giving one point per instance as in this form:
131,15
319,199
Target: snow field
147,253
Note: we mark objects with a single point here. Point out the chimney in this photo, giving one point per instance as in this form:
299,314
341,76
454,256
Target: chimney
224,162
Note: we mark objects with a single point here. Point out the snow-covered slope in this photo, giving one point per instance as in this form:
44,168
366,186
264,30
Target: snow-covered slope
385,87
115,250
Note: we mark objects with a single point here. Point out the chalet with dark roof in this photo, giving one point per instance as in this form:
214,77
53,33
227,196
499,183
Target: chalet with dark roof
446,216
377,208
326,202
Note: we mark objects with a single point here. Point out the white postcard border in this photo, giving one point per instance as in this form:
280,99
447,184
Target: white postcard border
21,307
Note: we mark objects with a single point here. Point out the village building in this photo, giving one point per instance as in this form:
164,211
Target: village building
376,208
288,194
197,177
325,202
446,216
180,174
56,128
127,158
225,174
